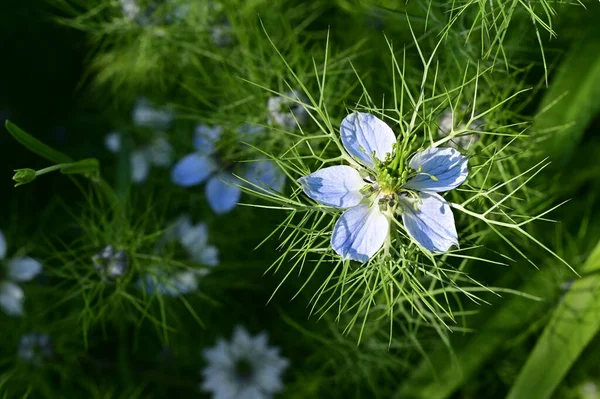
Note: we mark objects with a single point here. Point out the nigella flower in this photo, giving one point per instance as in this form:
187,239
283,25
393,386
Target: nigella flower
160,282
243,368
446,126
157,152
284,111
146,115
110,263
13,271
35,347
379,187
222,187
194,239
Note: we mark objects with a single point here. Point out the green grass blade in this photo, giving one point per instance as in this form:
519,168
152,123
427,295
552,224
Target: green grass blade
36,146
574,323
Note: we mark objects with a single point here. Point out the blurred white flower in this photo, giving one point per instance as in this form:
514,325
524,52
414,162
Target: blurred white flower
245,368
35,347
13,271
447,123
159,282
158,152
130,8
194,239
285,112
110,263
147,116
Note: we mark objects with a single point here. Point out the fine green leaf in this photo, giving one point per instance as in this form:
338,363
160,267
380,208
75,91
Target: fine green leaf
36,146
574,323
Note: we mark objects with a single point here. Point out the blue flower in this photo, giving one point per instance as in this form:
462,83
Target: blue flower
371,198
16,270
222,187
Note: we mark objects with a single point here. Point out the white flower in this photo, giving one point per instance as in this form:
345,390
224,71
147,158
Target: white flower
157,152
245,368
34,347
446,126
285,112
147,116
110,263
15,270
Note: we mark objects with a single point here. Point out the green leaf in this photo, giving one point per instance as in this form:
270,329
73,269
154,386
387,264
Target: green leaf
88,167
36,146
574,323
571,102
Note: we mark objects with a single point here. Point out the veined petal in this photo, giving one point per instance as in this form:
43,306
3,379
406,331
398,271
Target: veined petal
363,133
140,166
447,165
23,269
360,232
432,225
192,170
11,299
2,246
338,186
206,138
222,193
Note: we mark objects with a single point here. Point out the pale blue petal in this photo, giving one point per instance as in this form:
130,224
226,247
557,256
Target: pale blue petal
112,142
140,166
338,186
2,246
209,256
11,299
265,174
447,165
432,225
192,170
206,138
362,134
360,232
23,269
222,193
147,116
195,238
160,152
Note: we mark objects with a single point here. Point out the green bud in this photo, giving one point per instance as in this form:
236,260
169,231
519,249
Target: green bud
24,176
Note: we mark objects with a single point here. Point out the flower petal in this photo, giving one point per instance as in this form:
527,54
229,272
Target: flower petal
338,186
2,245
447,165
192,170
432,225
112,142
363,133
23,269
206,137
11,299
145,115
266,175
222,193
140,167
160,152
360,232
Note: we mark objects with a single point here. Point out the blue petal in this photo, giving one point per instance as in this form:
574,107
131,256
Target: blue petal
140,166
222,193
206,138
266,175
360,232
11,299
447,165
432,225
2,245
337,186
362,134
192,170
23,269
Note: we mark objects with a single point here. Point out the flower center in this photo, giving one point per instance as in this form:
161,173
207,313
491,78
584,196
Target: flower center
243,369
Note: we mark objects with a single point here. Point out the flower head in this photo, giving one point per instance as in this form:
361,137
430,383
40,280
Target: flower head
222,187
286,111
110,263
158,152
378,187
243,368
35,347
13,271
194,239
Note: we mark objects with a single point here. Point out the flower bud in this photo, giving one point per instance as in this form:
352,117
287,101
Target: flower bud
24,176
